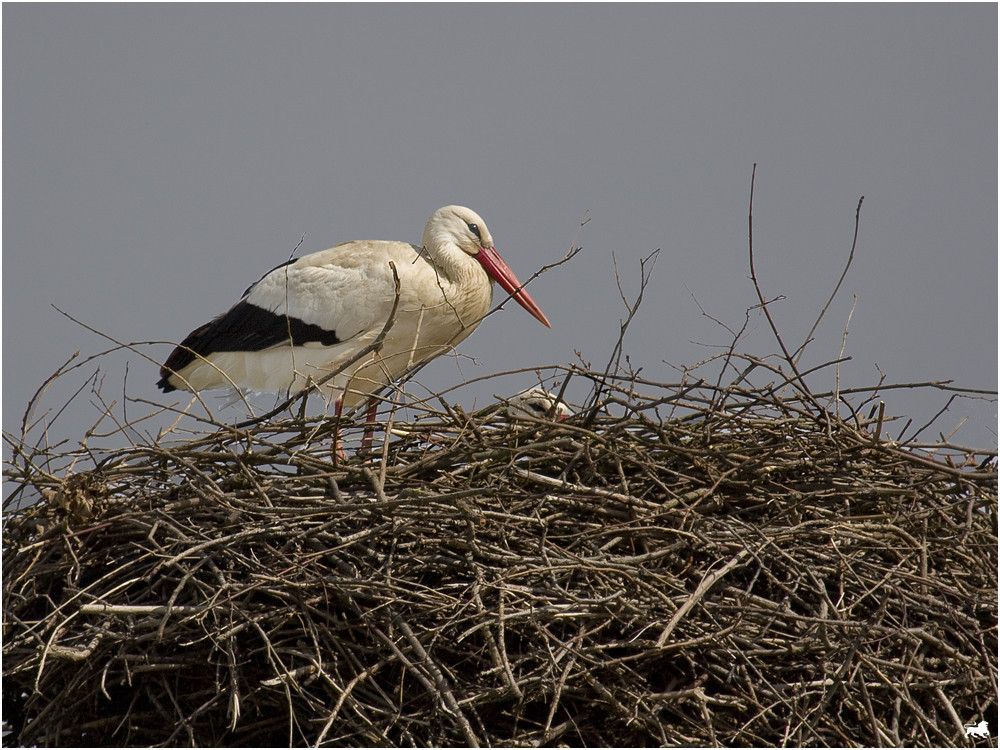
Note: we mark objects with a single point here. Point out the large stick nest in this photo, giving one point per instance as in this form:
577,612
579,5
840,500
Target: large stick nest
728,566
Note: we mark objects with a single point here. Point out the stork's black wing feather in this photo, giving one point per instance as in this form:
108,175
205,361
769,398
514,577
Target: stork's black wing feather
245,327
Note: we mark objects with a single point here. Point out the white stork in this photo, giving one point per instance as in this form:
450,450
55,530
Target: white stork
537,403
308,316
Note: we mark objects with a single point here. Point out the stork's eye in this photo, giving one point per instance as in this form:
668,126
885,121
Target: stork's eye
474,228
537,406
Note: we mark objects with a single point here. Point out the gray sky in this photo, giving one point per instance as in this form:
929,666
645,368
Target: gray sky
160,158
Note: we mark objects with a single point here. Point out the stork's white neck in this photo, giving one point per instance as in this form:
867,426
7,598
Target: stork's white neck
451,261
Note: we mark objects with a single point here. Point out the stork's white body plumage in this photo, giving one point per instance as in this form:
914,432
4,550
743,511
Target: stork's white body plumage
307,317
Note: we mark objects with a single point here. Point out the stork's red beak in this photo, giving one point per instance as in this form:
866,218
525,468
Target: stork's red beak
498,269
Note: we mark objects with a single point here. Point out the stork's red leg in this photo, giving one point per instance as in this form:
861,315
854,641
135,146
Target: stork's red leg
337,452
366,442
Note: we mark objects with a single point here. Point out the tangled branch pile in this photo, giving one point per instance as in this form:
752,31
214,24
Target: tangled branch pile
716,565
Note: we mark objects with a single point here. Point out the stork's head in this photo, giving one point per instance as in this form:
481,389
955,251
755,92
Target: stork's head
459,226
462,228
537,403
